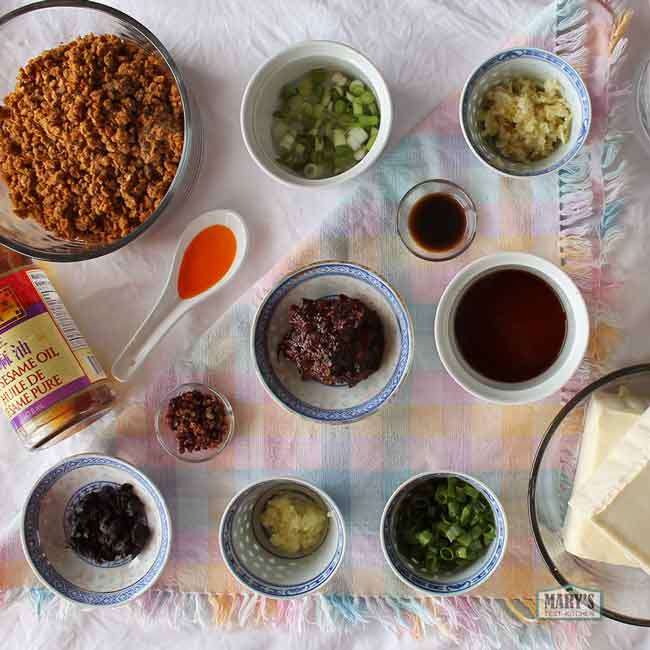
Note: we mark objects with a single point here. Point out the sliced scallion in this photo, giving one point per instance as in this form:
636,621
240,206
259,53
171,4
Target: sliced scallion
444,525
325,123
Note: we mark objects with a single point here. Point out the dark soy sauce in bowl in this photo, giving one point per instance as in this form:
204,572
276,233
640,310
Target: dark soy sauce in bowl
437,222
510,325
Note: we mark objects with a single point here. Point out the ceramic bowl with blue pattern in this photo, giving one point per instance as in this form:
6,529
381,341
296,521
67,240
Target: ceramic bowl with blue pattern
531,63
463,580
251,558
312,399
46,526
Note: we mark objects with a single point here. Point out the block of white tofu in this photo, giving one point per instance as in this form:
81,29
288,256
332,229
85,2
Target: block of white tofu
616,498
609,417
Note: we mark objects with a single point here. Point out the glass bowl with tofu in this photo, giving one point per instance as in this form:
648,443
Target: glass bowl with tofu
589,494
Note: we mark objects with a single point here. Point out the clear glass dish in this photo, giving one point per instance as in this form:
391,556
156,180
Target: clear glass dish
626,590
436,186
167,437
24,34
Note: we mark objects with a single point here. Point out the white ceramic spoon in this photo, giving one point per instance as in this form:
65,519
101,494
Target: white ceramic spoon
170,306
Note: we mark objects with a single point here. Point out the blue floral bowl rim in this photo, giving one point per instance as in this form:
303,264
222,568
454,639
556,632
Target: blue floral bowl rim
549,57
411,340
303,589
483,569
96,599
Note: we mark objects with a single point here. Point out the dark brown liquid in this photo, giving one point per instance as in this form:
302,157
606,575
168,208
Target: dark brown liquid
510,326
437,222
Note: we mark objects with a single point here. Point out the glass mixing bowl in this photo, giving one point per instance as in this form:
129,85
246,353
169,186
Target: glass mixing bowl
625,590
27,32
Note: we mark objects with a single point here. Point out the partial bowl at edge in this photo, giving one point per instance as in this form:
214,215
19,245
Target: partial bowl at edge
625,590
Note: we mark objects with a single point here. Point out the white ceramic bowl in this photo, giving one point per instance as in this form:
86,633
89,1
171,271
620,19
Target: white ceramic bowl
312,399
534,64
45,528
463,580
262,95
548,382
269,574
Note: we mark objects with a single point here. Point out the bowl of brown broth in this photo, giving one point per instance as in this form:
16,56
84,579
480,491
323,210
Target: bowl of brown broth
436,220
511,328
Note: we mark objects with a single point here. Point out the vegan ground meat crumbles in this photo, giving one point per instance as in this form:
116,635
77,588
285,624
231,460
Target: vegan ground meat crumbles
91,138
334,340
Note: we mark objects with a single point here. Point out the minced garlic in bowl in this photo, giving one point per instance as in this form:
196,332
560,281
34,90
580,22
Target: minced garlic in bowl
294,523
525,119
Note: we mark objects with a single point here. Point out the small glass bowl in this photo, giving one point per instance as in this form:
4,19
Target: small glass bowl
167,438
436,186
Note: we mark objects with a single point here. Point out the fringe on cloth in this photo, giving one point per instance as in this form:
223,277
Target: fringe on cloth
477,623
590,225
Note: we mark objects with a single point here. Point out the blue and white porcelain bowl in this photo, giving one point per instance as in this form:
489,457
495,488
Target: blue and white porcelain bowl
270,574
531,63
314,400
46,526
463,580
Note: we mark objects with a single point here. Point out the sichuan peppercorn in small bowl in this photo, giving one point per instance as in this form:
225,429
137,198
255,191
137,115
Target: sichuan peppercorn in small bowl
194,423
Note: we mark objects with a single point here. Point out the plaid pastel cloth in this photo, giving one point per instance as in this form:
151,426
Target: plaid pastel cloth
431,423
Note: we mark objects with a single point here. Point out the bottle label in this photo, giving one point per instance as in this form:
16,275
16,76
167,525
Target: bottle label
44,359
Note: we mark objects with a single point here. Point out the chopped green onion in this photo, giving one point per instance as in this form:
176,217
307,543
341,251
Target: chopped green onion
324,124
453,532
356,137
357,88
465,539
453,508
424,537
367,120
446,553
441,525
476,531
366,97
286,142
339,138
372,138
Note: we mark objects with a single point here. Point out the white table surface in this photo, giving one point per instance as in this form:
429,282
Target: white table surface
425,49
